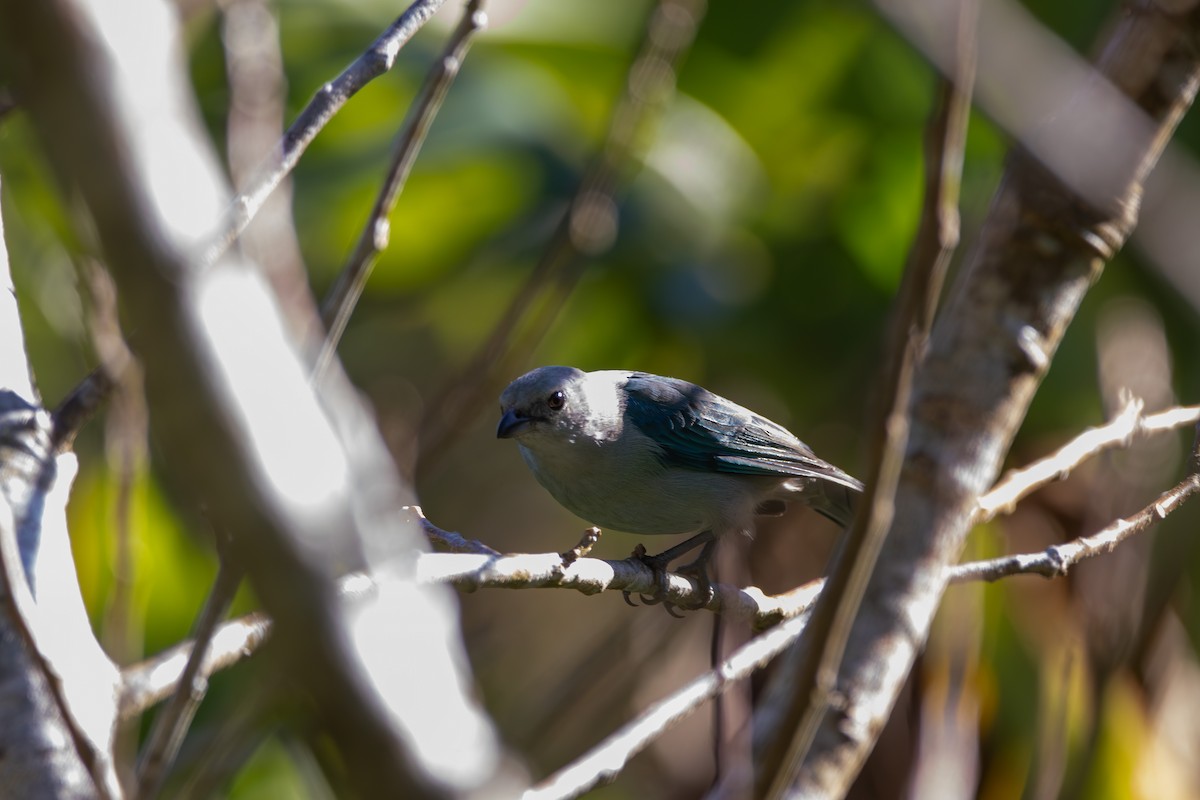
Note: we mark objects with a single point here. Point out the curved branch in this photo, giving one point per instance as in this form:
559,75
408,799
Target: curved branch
329,99
1129,425
338,306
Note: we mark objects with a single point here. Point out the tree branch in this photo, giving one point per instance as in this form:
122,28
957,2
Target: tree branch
605,761
1040,249
1055,560
57,686
329,99
20,611
339,305
171,724
799,699
306,494
1129,425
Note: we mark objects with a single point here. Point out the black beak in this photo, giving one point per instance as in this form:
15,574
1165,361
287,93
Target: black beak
510,424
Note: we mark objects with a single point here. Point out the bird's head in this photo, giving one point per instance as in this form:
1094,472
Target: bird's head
561,404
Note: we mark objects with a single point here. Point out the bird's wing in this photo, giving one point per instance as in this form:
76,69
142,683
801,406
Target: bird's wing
700,430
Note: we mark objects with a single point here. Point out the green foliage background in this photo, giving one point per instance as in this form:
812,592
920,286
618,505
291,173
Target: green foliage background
762,235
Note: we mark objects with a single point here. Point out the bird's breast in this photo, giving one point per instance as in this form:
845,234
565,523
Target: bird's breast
625,486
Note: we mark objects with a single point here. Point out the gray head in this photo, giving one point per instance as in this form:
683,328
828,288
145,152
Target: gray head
561,403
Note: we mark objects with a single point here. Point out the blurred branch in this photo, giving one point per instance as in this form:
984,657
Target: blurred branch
8,103
339,304
305,486
18,608
587,228
78,407
606,760
1129,425
254,68
329,99
1043,244
799,699
56,736
152,681
1057,559
171,724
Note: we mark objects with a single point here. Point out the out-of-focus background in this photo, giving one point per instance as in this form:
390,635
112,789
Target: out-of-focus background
763,229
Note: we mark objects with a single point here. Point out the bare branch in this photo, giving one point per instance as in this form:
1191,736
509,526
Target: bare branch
55,678
1040,249
605,761
19,608
329,99
1129,425
254,69
305,485
799,701
339,305
1055,560
150,682
171,724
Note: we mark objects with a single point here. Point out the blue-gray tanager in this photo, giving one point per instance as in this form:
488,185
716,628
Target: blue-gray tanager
652,455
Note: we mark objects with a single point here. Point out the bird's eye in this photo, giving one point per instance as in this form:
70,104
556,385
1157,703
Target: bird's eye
556,401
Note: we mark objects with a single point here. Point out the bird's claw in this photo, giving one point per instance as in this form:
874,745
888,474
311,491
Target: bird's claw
697,570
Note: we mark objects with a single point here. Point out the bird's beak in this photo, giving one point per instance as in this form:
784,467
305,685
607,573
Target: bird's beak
510,424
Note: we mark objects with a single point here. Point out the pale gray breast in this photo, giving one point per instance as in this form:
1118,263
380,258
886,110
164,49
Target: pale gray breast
624,485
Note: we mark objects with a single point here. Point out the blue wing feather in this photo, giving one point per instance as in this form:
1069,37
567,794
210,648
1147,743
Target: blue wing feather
700,430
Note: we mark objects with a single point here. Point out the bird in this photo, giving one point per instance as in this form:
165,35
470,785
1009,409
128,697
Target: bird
654,455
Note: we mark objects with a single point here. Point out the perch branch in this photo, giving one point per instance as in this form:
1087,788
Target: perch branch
470,565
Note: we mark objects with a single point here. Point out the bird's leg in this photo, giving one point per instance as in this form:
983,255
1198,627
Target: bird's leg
697,569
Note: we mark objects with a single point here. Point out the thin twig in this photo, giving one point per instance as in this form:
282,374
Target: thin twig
339,304
148,683
19,604
171,724
1129,425
1055,560
329,99
588,227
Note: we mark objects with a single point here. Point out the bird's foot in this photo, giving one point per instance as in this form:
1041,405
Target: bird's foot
696,570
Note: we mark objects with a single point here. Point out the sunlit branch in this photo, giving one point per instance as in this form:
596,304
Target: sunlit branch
1129,425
